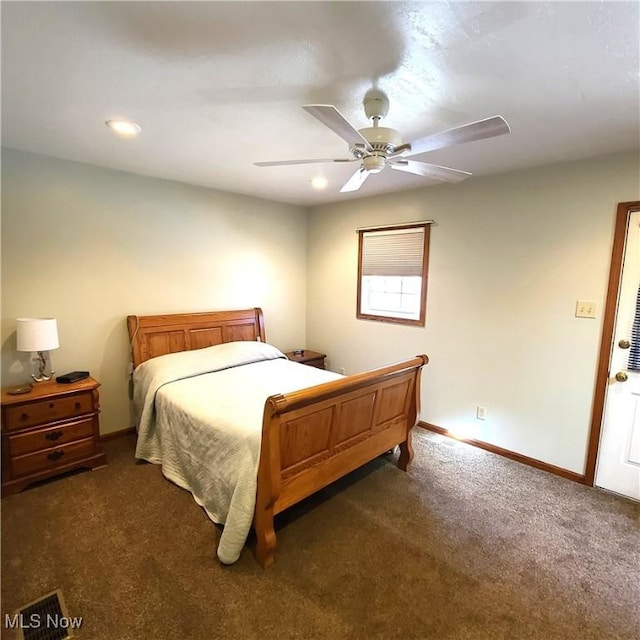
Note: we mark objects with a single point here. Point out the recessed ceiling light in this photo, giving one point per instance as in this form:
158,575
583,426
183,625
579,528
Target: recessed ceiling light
319,182
124,127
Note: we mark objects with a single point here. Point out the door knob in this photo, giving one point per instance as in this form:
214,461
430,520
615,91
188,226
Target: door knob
622,376
624,344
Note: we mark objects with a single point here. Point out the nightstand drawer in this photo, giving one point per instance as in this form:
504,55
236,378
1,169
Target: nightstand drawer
60,408
44,438
51,458
318,363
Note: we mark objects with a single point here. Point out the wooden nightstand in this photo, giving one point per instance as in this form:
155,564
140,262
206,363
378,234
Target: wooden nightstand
312,358
52,429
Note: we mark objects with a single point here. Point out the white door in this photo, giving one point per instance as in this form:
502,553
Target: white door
618,465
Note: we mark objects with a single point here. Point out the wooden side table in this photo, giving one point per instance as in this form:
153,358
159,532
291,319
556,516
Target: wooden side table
50,430
312,358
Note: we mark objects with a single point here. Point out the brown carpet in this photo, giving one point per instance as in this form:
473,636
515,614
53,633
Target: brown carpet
468,545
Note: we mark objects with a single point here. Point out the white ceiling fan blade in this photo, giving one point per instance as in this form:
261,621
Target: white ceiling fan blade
487,128
277,163
446,174
332,118
355,181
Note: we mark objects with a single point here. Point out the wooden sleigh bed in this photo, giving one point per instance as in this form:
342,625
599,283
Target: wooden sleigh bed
310,437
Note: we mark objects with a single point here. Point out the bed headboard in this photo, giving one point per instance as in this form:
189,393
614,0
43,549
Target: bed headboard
152,336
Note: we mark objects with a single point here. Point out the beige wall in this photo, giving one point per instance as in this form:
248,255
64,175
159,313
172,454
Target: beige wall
90,246
510,255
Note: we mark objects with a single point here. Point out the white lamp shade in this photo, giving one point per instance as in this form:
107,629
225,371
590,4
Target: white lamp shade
37,334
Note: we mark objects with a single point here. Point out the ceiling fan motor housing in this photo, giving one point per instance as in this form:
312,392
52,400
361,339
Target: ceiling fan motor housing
382,139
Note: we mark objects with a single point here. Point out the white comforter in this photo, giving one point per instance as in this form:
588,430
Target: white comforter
199,415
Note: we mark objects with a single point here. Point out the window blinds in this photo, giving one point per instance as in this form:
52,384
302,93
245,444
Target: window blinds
634,354
396,252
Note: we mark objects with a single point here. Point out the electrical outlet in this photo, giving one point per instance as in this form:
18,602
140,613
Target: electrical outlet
585,309
341,370
481,413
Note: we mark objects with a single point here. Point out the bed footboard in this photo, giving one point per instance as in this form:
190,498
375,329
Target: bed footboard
312,437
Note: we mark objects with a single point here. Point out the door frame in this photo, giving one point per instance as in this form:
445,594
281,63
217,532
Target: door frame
608,329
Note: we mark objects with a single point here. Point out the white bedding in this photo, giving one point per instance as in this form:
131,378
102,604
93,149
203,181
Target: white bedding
199,415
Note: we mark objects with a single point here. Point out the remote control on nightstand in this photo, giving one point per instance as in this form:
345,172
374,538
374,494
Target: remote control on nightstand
73,376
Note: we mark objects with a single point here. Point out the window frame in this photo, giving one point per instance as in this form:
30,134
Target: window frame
426,226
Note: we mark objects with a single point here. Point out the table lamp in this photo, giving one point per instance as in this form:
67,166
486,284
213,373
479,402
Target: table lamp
38,335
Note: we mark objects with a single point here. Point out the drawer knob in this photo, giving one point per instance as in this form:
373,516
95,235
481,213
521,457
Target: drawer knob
78,405
53,435
55,455
24,416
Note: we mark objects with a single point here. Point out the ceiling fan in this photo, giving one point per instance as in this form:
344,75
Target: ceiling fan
376,147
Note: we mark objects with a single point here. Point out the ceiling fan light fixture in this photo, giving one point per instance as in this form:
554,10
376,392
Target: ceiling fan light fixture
319,183
124,128
374,164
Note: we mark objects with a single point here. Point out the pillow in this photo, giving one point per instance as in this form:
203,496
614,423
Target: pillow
208,359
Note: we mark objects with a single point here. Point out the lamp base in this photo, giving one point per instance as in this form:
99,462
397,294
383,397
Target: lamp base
42,378
43,359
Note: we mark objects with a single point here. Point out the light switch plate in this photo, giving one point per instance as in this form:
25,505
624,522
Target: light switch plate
585,309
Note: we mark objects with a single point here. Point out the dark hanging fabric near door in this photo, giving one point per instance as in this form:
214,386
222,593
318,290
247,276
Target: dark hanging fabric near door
634,353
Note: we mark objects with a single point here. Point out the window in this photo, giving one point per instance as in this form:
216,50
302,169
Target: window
392,273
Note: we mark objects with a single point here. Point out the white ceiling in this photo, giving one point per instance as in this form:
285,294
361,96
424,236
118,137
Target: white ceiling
219,85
